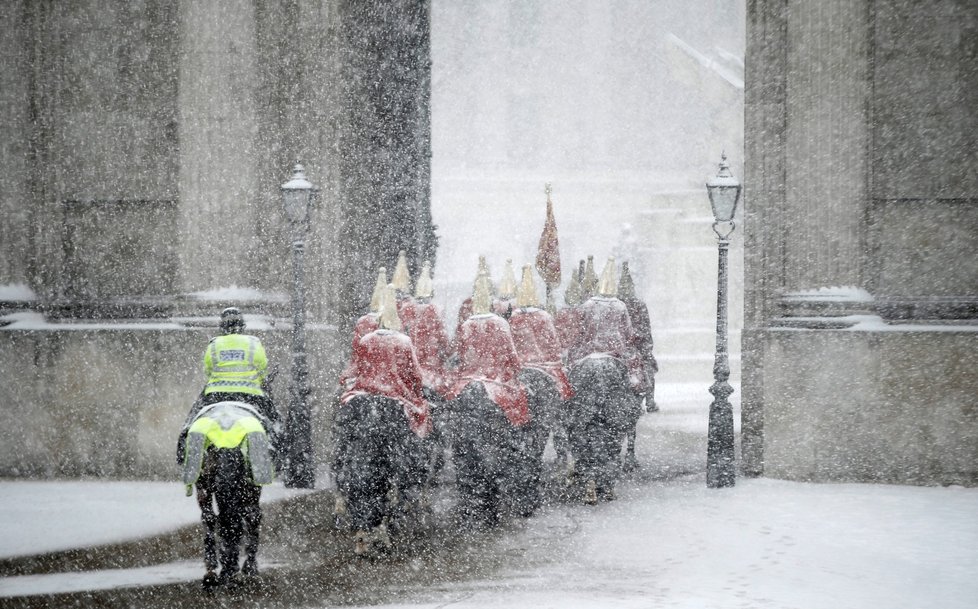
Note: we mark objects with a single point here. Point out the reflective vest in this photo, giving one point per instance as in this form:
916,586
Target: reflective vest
235,363
228,425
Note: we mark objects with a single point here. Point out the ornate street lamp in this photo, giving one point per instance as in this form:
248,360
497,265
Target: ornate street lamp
724,191
298,195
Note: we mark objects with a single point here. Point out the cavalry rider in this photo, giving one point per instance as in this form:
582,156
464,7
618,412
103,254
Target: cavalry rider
538,348
367,323
228,458
382,424
568,318
600,420
489,411
423,323
638,314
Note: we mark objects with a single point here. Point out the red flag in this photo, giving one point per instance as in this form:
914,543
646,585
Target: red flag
548,253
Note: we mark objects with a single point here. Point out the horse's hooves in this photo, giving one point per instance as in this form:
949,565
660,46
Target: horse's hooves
210,581
590,493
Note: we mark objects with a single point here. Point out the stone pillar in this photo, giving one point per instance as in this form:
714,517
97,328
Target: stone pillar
764,194
826,143
385,137
218,128
15,150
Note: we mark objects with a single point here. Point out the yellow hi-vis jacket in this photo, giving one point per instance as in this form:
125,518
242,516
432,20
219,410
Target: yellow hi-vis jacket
235,363
228,425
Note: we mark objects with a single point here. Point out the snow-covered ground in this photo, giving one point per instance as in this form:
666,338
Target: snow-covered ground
666,542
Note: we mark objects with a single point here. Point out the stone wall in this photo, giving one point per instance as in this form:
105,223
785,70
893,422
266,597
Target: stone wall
907,415
110,399
861,205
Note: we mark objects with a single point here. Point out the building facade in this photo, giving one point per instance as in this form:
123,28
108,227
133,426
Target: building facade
860,343
144,145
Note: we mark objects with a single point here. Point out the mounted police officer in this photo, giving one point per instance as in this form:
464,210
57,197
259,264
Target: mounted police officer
236,369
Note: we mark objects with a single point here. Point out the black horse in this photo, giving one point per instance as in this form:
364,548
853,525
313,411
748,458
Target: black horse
381,470
497,464
599,415
548,414
231,477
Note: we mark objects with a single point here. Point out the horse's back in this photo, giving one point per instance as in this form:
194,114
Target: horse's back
601,390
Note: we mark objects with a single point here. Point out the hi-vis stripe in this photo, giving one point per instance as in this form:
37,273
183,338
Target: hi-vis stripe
236,383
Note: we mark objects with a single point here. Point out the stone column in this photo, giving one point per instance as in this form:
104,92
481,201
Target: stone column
764,194
218,122
826,143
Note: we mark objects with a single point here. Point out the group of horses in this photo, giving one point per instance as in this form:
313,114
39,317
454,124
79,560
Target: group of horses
385,474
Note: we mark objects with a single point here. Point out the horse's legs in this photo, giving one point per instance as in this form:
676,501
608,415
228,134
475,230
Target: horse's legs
630,462
205,500
252,524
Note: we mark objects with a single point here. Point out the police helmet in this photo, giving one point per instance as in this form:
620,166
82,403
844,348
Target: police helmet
232,321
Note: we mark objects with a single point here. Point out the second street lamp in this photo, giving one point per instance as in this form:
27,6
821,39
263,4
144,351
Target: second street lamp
724,191
297,197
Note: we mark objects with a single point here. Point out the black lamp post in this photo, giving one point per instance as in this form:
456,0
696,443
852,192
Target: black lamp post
297,196
724,191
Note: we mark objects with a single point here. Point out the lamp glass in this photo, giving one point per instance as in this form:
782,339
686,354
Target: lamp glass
724,191
296,203
297,195
723,199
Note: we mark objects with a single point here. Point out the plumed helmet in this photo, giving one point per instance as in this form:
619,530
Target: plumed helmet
626,286
378,294
424,287
232,321
507,285
527,296
389,318
573,294
482,295
402,278
608,287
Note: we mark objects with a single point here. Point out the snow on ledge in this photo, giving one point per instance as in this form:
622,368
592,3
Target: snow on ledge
868,323
30,320
17,292
839,293
240,294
